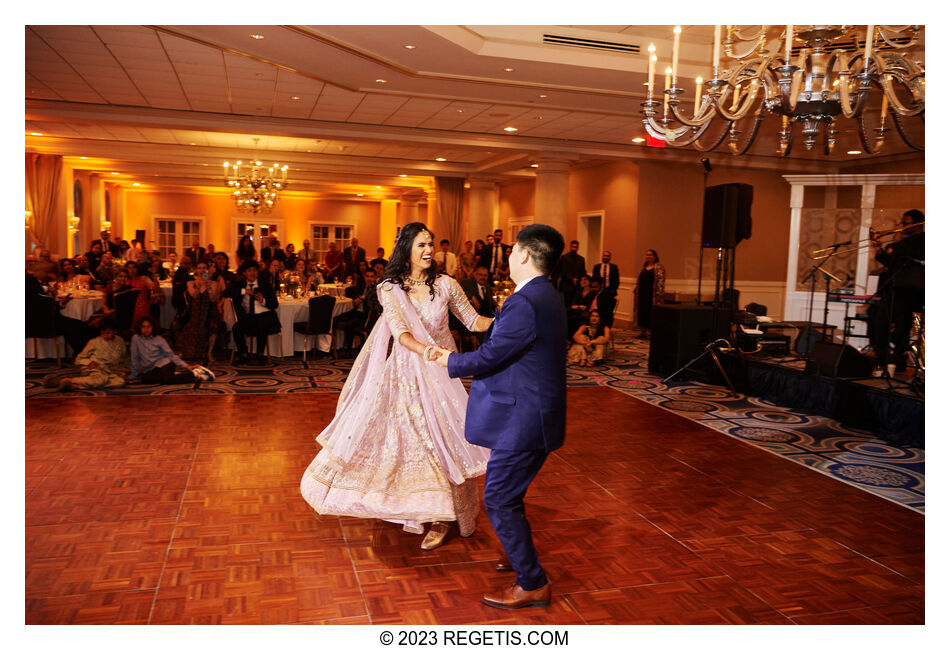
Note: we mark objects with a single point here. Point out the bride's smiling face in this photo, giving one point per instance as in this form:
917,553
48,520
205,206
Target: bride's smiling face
422,247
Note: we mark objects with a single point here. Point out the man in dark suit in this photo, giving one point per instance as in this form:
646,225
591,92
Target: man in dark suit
570,268
495,255
379,257
255,305
608,273
517,405
107,244
604,302
272,251
352,257
196,253
479,291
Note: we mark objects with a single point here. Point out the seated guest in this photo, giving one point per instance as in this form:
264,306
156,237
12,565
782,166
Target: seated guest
179,282
209,253
297,276
68,278
145,286
245,251
356,283
274,273
255,305
316,275
380,268
102,362
157,272
220,269
479,292
579,305
380,252
590,342
171,265
41,300
354,322
272,251
291,256
82,268
118,286
152,358
196,338
94,255
30,262
604,301
106,269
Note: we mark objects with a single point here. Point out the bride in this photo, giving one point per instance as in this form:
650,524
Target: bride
396,447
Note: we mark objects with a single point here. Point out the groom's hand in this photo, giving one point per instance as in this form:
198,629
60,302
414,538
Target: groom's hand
443,358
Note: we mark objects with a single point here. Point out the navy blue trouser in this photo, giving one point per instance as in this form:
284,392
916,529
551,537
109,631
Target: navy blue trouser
507,478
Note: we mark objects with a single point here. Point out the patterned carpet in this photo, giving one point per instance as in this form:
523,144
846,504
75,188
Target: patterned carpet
851,455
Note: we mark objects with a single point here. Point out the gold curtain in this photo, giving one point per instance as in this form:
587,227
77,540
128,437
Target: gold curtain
43,174
449,200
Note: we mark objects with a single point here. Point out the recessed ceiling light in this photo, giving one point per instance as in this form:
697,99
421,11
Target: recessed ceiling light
409,47
114,173
379,187
192,144
359,195
35,133
259,74
295,97
511,129
402,176
854,153
639,140
257,37
381,81
509,69
440,159
83,158
538,117
459,110
542,96
135,184
535,165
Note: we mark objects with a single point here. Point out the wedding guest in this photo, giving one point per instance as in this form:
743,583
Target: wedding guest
145,286
352,257
41,298
333,262
291,256
118,286
156,271
152,358
255,305
106,269
306,253
274,273
353,322
608,273
171,264
221,270
179,284
272,251
380,257
446,259
649,291
197,336
246,250
94,255
102,362
590,342
604,301
466,261
68,278
195,252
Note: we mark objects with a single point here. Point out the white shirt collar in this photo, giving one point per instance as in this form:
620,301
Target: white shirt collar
524,282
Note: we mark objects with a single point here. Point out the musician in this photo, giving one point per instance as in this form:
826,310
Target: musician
901,289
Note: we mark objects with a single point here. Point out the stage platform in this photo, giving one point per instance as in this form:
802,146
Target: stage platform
890,409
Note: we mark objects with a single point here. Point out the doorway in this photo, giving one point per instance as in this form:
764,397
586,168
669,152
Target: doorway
590,236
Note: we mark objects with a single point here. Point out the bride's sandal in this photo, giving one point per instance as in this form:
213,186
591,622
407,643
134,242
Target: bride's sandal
436,535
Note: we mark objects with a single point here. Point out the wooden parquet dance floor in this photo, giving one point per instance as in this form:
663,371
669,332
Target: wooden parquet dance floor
186,510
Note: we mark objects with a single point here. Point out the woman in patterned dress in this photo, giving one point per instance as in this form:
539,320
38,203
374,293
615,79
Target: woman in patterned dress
396,447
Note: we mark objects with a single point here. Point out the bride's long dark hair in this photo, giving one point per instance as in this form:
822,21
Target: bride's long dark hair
400,262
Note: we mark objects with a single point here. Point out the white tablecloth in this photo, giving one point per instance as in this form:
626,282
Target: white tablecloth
290,312
336,290
78,308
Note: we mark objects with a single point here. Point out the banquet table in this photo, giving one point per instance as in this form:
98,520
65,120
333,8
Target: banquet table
290,311
333,289
83,305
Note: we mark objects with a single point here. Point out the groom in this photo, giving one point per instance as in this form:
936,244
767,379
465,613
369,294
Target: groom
517,404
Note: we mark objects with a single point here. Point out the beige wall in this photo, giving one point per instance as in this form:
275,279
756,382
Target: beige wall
514,200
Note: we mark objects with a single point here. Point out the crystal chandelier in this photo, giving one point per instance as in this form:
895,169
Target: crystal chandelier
835,72
255,188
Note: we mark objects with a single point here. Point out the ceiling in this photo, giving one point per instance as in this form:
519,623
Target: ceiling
352,107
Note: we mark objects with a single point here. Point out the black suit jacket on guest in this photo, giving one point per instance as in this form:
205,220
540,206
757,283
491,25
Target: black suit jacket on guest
613,276
191,252
484,258
350,261
179,284
277,253
236,293
487,308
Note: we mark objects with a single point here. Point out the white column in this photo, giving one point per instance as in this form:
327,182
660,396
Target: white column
551,191
868,194
482,207
794,233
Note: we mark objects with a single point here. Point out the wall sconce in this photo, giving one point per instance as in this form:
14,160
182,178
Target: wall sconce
29,219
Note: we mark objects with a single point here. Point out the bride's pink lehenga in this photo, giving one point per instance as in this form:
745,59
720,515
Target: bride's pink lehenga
396,447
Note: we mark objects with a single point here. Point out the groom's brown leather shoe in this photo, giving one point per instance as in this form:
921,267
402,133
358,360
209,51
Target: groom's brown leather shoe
514,597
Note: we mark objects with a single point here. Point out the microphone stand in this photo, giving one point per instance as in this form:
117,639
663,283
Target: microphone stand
812,275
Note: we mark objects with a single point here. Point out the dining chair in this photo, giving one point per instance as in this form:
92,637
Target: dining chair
319,321
41,324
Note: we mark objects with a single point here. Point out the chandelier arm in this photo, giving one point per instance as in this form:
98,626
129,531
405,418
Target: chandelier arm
749,97
754,39
719,140
902,130
912,84
865,138
789,141
660,132
697,133
864,78
755,131
897,30
829,141
706,113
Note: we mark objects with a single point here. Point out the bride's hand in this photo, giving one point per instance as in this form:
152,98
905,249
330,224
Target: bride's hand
443,358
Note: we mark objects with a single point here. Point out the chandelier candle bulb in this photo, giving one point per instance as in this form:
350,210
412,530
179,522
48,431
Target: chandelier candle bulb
676,50
867,47
716,52
788,43
666,86
699,92
652,71
883,109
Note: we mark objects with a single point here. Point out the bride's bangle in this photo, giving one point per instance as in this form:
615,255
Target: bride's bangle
425,353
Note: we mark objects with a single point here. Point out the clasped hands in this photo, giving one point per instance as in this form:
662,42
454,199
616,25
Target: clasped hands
438,354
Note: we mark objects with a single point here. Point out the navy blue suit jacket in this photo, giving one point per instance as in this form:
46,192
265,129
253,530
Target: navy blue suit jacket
518,399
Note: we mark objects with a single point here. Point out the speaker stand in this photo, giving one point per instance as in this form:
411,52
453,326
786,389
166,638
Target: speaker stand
711,351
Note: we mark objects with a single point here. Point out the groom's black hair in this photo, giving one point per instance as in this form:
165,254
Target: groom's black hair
544,244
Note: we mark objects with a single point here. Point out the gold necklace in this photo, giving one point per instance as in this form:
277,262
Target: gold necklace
417,283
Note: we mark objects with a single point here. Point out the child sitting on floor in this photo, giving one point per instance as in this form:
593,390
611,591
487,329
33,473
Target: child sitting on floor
102,362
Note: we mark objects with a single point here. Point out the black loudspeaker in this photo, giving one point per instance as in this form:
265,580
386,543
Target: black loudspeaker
838,360
727,215
806,340
680,332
